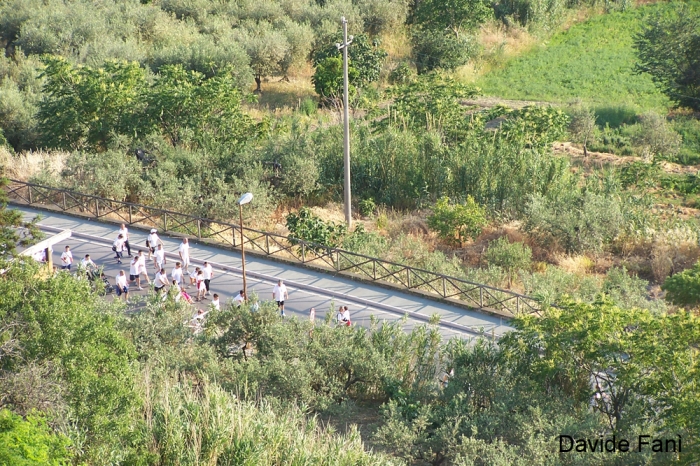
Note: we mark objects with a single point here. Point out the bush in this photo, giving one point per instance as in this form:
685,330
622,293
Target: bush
656,137
308,227
576,221
511,257
29,442
441,50
683,289
457,222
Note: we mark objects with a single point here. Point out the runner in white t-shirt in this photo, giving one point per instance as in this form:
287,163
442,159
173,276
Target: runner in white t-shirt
122,285
239,299
177,274
160,281
153,240
142,268
279,294
159,259
215,303
208,272
118,248
184,251
134,274
124,231
66,259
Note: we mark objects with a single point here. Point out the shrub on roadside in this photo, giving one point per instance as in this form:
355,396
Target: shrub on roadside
457,222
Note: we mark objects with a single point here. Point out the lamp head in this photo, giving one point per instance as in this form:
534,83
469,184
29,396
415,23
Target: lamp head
246,198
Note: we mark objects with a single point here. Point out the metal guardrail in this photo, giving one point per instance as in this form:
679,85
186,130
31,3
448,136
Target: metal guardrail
476,295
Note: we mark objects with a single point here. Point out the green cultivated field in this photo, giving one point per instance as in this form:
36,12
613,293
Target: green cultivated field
593,61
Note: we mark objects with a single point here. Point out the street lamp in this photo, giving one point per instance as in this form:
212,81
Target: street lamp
245,199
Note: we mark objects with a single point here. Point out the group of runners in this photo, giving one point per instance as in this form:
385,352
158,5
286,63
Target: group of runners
180,279
177,282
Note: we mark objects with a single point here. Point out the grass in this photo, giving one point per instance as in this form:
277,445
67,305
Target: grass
592,61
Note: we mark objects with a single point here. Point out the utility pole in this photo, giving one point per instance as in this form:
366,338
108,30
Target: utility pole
346,122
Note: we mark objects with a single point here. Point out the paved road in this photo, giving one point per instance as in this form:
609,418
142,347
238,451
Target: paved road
307,288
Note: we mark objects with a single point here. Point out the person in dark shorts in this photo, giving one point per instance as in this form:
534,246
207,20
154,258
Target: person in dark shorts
279,294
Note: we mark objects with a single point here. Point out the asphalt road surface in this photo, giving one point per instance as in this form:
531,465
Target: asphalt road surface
307,288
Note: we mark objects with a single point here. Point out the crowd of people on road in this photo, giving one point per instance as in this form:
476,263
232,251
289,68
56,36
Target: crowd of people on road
175,284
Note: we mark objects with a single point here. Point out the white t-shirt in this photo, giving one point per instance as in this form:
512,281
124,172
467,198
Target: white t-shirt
119,244
161,279
279,291
134,266
121,281
207,271
177,274
87,263
142,264
239,299
184,250
153,239
193,274
215,303
160,255
346,316
201,286
67,258
125,233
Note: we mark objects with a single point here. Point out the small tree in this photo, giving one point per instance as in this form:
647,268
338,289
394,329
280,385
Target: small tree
366,57
328,80
511,257
683,289
13,229
656,137
267,49
457,222
582,126
669,50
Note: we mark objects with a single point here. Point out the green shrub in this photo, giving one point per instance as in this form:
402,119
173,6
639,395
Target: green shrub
308,227
30,442
683,289
368,207
308,106
576,221
457,222
511,257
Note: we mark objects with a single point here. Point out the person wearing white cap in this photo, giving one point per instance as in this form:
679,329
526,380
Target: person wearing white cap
152,242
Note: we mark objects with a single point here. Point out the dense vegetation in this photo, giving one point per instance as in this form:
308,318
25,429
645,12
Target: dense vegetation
98,386
167,103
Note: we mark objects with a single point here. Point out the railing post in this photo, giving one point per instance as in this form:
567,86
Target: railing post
234,236
97,208
130,219
517,305
374,269
29,189
267,244
408,277
165,221
444,288
199,230
481,296
337,261
64,200
303,253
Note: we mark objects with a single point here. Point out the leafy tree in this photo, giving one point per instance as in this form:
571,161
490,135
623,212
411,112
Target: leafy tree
84,107
308,227
577,221
13,229
457,222
300,38
633,366
441,50
456,16
683,289
509,256
267,49
185,107
668,49
59,320
328,80
29,442
582,126
365,56
536,126
656,137
433,102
